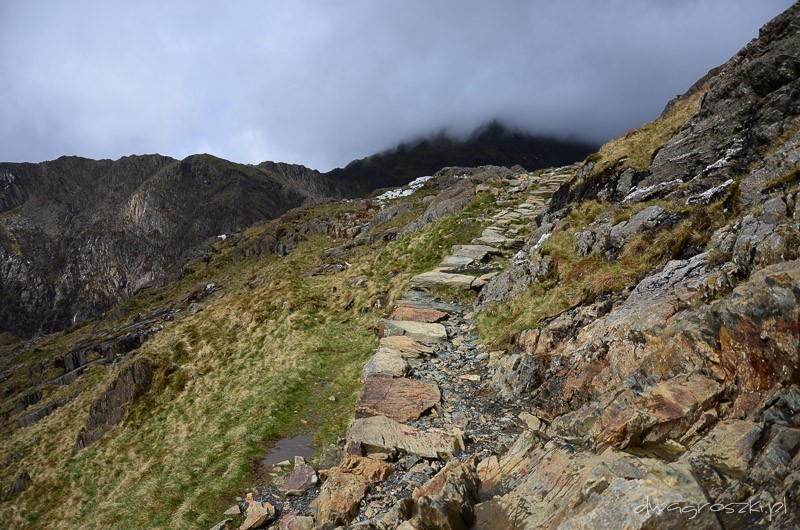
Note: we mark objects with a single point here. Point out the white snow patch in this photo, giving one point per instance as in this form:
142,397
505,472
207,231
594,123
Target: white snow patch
542,240
412,187
726,158
637,193
708,195
520,258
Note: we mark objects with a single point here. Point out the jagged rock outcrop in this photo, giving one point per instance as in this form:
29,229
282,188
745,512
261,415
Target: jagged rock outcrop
109,409
664,392
20,485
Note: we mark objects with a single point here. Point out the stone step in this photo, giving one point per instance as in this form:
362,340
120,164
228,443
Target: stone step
379,434
476,252
439,278
386,363
422,300
400,399
423,332
498,241
455,261
418,314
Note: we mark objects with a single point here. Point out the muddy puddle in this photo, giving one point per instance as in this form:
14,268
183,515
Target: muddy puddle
288,448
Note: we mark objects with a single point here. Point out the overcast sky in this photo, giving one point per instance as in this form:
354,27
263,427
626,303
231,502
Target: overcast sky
325,81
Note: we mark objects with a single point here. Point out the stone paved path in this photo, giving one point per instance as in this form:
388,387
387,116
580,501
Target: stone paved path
427,404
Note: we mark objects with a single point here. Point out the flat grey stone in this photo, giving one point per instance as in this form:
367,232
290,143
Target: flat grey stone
456,261
476,252
437,278
423,332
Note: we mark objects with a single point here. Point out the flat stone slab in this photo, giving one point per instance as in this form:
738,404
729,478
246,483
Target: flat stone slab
456,261
437,278
399,399
476,252
379,434
498,241
386,363
418,314
423,332
405,346
422,299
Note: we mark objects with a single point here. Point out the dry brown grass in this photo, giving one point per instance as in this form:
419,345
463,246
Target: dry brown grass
639,146
246,370
578,279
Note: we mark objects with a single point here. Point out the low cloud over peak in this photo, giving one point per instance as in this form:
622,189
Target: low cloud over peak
323,82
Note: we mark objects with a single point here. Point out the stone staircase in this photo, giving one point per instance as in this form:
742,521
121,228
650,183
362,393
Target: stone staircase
426,398
521,200
427,423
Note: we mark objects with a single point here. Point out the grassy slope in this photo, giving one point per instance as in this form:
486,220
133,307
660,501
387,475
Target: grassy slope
575,279
639,146
579,279
256,364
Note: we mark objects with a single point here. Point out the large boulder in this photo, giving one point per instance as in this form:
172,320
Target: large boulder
346,485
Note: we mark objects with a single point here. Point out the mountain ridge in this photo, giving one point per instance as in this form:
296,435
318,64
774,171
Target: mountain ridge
56,215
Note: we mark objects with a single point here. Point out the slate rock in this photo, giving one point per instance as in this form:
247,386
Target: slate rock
400,399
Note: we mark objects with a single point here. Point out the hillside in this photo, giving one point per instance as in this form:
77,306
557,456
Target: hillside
609,344
78,236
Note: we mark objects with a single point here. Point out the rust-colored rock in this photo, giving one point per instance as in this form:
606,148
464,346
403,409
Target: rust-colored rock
419,314
295,522
664,411
398,398
730,445
489,473
299,480
346,486
372,470
447,500
258,514
338,500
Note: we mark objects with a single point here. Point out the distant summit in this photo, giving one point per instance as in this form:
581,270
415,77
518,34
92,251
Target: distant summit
492,144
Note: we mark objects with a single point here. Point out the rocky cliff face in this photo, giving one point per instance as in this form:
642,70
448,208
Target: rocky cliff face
682,386
79,235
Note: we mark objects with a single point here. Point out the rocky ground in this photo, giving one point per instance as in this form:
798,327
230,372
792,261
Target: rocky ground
428,409
649,318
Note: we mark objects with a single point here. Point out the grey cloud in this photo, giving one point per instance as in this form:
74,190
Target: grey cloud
322,82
